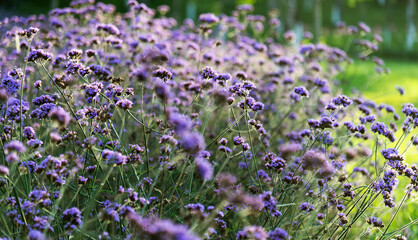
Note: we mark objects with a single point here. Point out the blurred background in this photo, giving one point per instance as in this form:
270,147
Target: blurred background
394,20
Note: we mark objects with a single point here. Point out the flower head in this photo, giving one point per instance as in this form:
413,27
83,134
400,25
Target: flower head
38,55
192,142
208,18
61,116
205,168
14,146
301,91
72,218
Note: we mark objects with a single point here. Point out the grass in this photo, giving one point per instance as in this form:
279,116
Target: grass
381,89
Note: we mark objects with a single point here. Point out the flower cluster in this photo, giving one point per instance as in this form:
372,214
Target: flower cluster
135,126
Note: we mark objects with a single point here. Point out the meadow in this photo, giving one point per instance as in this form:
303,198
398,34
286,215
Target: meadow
383,89
403,73
136,126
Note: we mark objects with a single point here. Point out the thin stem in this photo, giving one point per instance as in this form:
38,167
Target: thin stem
394,215
21,90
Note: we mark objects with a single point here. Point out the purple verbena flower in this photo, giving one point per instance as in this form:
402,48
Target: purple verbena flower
392,154
307,207
124,104
278,234
192,142
205,168
61,116
14,146
376,222
108,28
38,55
208,18
72,219
11,84
252,232
34,143
342,100
301,91
114,157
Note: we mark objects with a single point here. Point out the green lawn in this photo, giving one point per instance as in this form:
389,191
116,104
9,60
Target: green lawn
381,89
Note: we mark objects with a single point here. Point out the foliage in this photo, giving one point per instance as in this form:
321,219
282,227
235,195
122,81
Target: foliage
130,126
